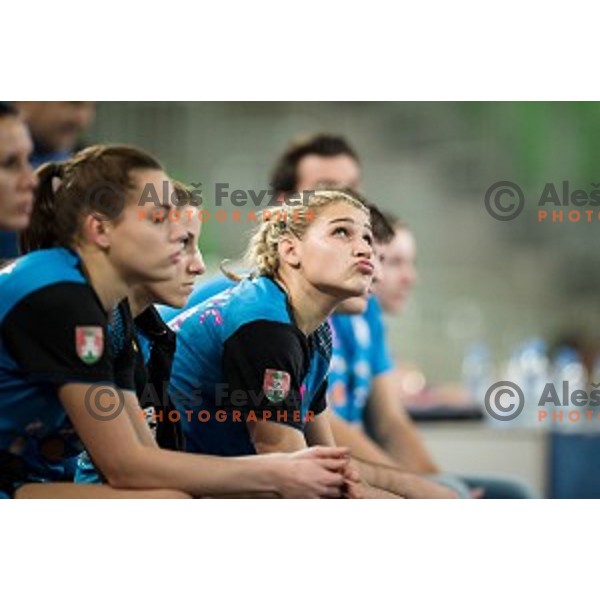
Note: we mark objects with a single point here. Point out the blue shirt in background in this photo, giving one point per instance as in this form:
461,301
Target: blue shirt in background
360,353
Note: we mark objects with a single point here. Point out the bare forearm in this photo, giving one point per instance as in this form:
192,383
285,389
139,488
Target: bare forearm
407,485
394,429
195,474
274,437
319,432
373,493
400,438
137,416
360,445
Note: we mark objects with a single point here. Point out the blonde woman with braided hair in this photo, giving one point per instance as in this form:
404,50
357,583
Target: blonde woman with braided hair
250,370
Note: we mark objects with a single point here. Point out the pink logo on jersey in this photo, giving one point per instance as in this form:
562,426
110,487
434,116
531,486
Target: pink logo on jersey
214,313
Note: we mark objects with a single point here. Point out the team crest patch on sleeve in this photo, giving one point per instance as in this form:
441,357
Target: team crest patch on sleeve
89,342
276,385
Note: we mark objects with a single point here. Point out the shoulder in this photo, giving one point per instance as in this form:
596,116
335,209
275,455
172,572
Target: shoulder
250,301
266,335
202,292
211,287
41,273
268,344
253,299
54,316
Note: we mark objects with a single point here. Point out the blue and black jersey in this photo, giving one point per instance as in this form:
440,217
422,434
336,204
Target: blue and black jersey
206,289
241,357
53,331
153,344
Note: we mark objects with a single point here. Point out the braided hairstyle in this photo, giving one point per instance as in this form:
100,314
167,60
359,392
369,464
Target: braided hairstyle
263,249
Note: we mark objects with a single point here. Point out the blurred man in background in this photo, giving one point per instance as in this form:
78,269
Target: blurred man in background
317,162
57,128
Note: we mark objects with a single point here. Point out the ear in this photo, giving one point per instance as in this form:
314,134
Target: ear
290,251
97,231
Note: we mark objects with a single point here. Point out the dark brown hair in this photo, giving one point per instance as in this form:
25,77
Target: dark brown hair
95,180
182,192
396,222
284,178
383,230
381,227
8,110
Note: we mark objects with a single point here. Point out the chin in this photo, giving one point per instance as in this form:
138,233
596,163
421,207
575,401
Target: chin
17,223
352,306
357,308
65,143
397,308
180,302
174,301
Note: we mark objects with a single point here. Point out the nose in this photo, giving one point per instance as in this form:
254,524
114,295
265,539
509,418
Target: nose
411,277
378,273
197,266
29,179
83,116
364,249
177,231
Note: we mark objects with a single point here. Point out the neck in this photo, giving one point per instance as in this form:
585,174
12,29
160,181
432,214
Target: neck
310,306
107,283
139,300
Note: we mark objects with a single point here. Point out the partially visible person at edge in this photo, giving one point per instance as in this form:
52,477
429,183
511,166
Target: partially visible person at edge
56,129
17,179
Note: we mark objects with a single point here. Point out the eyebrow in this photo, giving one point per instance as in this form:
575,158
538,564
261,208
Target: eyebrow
348,220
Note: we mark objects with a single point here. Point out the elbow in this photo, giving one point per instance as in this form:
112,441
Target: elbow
373,422
125,472
266,447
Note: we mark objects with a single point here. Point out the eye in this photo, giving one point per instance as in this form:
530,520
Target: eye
341,232
10,163
368,238
159,216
